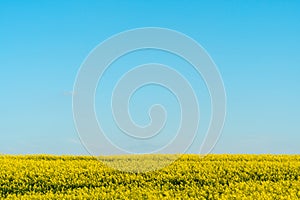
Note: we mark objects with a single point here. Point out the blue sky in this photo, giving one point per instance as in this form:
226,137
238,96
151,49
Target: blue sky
255,45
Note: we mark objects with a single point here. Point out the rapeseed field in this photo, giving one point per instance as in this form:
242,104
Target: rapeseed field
189,177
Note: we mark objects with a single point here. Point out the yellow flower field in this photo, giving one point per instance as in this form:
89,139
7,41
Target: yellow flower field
190,177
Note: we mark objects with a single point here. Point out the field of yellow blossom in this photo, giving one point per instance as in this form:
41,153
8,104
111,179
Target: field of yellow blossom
190,177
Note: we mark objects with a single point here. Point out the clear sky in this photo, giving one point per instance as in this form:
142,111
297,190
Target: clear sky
255,44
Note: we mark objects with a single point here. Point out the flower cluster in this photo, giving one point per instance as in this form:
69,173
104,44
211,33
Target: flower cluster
189,177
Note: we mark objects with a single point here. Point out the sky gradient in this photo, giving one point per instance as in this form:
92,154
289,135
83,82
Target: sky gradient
255,45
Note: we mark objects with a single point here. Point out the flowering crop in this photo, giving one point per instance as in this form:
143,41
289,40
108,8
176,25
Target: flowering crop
190,177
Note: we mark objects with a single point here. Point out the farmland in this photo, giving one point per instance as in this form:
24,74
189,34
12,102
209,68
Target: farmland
190,177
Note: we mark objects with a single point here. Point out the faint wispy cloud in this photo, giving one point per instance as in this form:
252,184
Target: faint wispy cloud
69,93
